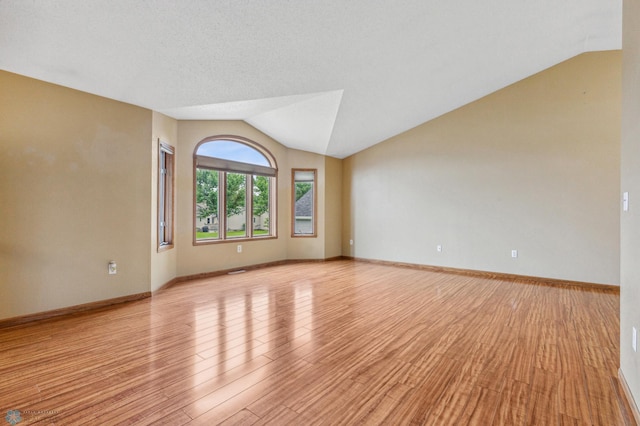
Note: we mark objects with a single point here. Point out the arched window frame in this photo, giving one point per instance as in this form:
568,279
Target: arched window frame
223,167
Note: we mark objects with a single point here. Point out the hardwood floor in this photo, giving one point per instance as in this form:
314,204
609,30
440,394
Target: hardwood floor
339,342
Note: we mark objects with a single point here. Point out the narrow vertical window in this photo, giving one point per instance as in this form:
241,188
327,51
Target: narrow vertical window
304,202
165,195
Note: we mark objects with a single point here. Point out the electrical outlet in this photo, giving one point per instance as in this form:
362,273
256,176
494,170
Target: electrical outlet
239,248
439,248
112,268
514,253
634,339
350,242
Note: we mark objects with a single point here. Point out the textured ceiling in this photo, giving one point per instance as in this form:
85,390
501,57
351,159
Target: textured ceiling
331,76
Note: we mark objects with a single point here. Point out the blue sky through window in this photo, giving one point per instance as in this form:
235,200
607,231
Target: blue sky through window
231,150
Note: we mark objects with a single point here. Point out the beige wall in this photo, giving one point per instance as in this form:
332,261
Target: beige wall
214,257
533,167
630,221
74,194
333,208
164,263
78,188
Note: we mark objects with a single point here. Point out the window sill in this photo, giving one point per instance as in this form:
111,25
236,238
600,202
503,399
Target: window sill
233,240
164,247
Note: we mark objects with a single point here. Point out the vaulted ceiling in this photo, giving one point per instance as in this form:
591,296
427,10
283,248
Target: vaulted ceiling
332,76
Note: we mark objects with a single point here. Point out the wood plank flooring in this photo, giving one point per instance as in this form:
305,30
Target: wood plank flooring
340,342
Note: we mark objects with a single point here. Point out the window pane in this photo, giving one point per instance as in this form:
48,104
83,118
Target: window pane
236,197
260,205
165,195
207,202
162,187
304,208
231,150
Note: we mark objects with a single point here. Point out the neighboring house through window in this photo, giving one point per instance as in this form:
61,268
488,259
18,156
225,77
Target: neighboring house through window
234,190
304,202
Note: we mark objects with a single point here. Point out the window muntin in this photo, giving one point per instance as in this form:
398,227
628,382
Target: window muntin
165,195
225,167
304,202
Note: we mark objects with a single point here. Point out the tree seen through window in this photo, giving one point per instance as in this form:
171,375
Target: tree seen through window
224,170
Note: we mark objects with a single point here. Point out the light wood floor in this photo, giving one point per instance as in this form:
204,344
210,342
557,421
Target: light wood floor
339,342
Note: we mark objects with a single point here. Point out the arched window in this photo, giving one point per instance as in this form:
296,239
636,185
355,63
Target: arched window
234,190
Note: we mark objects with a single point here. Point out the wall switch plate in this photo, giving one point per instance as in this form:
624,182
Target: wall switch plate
112,268
239,248
625,201
514,253
439,248
634,339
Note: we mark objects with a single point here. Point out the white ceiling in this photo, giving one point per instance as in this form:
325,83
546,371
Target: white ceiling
327,76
